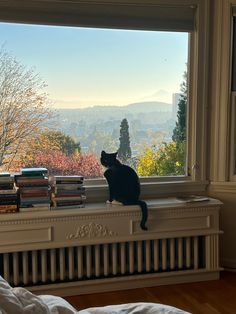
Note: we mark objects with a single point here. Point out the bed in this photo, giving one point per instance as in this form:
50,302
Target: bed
21,301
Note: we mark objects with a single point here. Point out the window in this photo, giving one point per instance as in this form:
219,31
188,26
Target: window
147,20
112,90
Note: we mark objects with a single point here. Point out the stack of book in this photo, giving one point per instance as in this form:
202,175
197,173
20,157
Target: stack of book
33,189
67,192
8,194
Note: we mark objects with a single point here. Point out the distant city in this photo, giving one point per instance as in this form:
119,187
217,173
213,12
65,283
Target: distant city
98,128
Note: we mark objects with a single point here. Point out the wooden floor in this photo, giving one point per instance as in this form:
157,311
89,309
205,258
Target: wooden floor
211,297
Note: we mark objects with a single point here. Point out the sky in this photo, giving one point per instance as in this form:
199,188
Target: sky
86,66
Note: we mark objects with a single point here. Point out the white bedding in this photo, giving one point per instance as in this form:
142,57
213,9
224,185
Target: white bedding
21,301
134,308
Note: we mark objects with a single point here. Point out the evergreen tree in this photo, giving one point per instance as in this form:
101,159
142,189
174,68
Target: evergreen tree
124,151
179,132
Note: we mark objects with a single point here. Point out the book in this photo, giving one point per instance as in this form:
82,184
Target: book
58,180
28,182
8,211
33,171
6,186
193,198
8,196
34,208
34,188
66,186
8,207
8,202
5,174
69,198
6,179
30,177
9,191
67,203
31,202
67,178
58,190
67,207
36,205
37,193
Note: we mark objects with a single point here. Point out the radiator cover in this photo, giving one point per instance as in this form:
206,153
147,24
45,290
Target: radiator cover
100,248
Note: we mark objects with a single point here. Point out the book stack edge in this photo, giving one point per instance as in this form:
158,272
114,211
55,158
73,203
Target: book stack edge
8,194
33,187
67,192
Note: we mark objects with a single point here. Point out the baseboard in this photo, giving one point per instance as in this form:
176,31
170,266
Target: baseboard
125,283
228,263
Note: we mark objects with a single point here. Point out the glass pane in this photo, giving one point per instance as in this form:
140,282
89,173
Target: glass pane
68,93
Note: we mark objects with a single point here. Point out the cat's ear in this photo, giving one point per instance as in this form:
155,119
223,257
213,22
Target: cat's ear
116,154
103,153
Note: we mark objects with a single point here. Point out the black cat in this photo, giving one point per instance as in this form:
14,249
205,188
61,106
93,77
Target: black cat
124,185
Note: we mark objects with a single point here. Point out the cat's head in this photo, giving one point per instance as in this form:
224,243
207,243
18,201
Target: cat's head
108,160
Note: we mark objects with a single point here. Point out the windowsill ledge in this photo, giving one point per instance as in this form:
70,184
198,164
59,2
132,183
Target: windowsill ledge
100,208
150,190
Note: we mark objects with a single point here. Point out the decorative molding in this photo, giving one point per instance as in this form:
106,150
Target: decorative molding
91,230
36,220
165,211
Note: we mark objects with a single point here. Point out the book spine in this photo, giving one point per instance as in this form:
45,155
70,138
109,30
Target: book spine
9,191
8,211
8,207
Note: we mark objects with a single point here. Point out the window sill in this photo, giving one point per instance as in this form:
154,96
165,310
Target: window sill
102,208
149,190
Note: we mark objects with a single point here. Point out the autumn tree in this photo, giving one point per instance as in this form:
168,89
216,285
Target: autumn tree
124,151
23,107
58,163
49,141
60,141
166,160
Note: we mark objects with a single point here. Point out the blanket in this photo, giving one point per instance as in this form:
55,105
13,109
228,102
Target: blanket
21,301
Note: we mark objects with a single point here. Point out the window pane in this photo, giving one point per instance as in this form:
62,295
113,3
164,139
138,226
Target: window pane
68,93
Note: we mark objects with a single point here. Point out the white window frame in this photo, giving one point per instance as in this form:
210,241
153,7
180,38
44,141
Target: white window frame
195,181
232,97
232,170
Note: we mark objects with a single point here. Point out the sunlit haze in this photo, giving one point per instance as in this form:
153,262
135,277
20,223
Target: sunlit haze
85,67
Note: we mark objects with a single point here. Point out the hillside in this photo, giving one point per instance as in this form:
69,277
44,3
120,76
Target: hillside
98,127
146,111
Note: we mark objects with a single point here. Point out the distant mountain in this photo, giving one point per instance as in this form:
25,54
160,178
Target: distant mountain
149,106
161,96
142,107
148,112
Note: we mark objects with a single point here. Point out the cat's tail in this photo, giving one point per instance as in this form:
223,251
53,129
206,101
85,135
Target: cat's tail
144,210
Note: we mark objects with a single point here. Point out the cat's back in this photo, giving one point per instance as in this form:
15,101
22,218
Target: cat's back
122,172
127,170
126,175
